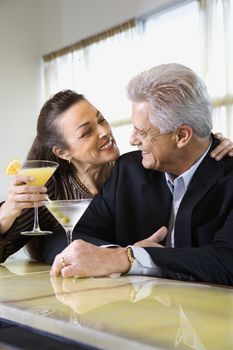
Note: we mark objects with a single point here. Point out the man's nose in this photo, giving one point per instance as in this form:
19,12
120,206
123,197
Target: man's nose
133,139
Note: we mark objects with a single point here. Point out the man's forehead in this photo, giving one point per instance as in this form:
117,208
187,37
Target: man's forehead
145,126
141,121
140,107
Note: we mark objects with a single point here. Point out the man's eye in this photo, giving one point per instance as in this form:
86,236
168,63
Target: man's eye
102,121
141,133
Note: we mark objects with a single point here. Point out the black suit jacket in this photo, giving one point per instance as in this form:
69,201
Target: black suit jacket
135,202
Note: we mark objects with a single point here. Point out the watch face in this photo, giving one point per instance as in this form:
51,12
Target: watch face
130,255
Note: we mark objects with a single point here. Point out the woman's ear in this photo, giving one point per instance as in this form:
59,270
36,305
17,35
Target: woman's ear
183,135
61,153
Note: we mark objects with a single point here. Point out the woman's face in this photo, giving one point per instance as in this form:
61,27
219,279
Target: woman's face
88,135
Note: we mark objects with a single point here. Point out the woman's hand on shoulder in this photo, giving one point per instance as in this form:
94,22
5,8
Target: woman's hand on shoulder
225,147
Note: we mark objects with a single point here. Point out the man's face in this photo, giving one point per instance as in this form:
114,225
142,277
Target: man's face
158,150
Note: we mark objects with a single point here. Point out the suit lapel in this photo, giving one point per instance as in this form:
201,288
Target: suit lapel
158,197
208,173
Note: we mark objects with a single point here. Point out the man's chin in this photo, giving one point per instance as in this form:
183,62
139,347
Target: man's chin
146,164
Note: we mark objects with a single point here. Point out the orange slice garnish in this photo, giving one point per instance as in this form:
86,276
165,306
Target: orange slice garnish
13,167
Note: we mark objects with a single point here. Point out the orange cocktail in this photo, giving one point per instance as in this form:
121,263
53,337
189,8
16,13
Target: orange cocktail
41,170
41,175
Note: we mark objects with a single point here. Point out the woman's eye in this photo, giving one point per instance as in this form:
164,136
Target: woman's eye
86,133
101,121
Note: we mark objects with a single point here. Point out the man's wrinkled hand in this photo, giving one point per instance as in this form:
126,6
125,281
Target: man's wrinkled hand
82,259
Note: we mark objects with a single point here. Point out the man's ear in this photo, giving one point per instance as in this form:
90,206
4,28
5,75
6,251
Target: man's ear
61,153
183,135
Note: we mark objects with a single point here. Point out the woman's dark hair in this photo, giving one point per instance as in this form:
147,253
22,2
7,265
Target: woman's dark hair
48,134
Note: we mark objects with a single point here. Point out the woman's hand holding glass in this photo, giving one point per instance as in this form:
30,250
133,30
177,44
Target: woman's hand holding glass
20,195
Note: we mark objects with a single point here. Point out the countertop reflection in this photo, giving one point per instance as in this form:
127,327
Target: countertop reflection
130,312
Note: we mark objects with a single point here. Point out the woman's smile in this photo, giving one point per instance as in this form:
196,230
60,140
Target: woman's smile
108,144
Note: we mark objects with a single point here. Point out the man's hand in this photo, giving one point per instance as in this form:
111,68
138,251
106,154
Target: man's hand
224,148
153,240
82,259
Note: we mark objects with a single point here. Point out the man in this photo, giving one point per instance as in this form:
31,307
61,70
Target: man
172,181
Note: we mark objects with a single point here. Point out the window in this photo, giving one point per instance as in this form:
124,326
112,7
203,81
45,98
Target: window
194,33
100,71
217,57
173,35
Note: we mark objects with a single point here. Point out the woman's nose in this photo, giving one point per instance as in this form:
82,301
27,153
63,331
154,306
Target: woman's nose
104,130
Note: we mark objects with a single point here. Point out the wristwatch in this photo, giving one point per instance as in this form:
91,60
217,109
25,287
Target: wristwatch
131,258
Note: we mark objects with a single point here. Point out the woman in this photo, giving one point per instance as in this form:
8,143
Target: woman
75,134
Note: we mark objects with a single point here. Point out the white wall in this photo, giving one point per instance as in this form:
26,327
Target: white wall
67,21
29,29
19,80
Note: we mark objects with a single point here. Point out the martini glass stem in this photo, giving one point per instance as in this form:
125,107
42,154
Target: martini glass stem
69,232
36,227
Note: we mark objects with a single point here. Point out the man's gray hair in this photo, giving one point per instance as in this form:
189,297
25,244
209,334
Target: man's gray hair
175,95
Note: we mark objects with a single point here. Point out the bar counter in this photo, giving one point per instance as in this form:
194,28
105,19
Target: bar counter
130,312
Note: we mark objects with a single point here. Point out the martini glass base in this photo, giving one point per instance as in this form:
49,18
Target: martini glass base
36,233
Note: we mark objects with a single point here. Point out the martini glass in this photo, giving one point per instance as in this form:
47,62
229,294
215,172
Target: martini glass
41,170
68,212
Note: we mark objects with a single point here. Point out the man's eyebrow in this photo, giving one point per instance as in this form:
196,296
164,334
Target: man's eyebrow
140,130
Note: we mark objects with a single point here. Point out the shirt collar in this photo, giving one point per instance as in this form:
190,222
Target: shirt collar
188,174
